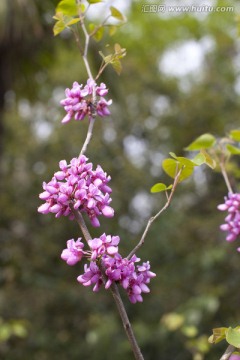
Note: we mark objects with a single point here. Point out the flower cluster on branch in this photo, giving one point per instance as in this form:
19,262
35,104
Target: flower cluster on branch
133,278
80,101
232,225
79,184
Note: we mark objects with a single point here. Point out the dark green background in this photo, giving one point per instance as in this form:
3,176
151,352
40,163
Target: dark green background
197,271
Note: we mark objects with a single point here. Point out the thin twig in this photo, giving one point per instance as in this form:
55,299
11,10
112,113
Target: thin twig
230,349
126,323
78,216
88,137
153,218
84,54
225,176
114,290
81,223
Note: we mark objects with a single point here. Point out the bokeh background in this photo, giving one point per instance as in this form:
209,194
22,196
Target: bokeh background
180,79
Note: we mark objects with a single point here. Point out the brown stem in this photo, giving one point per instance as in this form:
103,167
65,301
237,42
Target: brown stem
89,136
225,176
126,323
230,349
114,290
84,54
81,223
78,216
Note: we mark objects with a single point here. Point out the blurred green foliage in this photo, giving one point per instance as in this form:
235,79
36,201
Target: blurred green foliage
154,111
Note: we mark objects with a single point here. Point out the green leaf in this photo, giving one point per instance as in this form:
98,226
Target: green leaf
171,167
117,14
209,161
97,32
58,27
218,335
117,66
119,51
67,7
63,22
182,160
113,59
73,21
107,59
199,159
233,336
204,141
233,149
235,135
160,187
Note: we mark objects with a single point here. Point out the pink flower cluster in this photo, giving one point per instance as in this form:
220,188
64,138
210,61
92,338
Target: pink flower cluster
133,279
74,251
78,184
79,101
235,357
232,225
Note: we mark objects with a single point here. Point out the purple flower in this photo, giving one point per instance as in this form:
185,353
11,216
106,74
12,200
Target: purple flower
92,276
232,221
77,183
79,101
74,252
132,279
105,245
117,269
234,357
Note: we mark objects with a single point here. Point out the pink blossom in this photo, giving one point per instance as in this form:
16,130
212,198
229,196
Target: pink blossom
74,252
79,101
235,357
106,244
91,276
232,220
77,183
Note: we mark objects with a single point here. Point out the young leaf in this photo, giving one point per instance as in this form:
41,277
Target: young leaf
182,160
97,31
171,167
67,7
208,160
117,66
73,21
58,27
233,149
63,22
199,159
107,59
119,52
117,14
233,336
160,187
235,135
204,141
218,335
113,59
